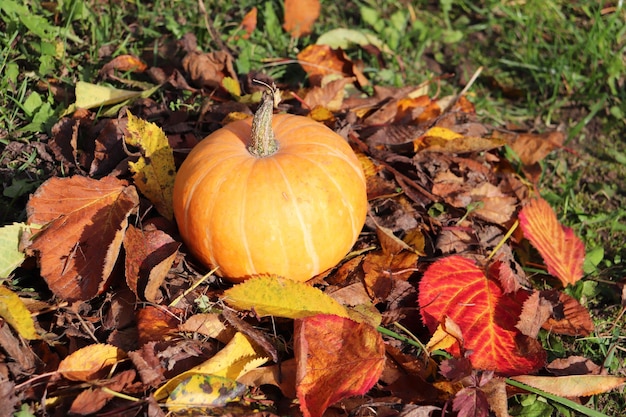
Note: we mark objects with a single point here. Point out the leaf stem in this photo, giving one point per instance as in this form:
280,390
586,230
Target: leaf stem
262,136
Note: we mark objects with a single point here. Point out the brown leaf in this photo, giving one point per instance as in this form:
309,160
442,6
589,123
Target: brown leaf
569,316
156,323
149,256
91,362
574,365
208,324
148,365
207,70
329,96
92,400
85,221
535,311
300,15
533,148
337,358
321,60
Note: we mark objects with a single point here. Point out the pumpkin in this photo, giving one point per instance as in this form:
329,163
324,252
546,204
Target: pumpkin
280,195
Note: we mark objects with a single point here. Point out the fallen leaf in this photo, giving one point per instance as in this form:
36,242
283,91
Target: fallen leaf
149,256
90,363
234,360
10,255
535,311
574,385
329,95
14,312
470,402
85,221
155,171
124,63
337,358
569,317
456,287
321,60
203,391
533,148
156,323
300,15
91,400
207,70
447,334
274,296
562,251
248,23
208,324
344,38
89,96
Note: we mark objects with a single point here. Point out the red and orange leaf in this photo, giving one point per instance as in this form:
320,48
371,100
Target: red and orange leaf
456,287
337,358
563,252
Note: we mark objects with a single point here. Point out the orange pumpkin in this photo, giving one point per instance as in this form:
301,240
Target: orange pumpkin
280,195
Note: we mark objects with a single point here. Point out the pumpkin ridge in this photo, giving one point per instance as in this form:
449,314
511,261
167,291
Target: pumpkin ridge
242,222
308,242
339,188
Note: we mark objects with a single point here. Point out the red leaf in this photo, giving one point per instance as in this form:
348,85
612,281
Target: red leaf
337,358
562,251
457,288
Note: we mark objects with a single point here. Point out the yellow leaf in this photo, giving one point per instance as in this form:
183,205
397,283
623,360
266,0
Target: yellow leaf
237,358
446,335
442,133
91,362
232,86
275,296
13,310
204,392
155,171
572,385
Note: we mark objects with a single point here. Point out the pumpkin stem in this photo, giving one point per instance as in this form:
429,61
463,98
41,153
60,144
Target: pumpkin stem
263,140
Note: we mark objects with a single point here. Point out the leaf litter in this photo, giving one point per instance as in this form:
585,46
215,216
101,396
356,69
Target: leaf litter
139,326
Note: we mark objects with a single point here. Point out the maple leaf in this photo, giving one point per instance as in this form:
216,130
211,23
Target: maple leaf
562,251
85,224
337,358
456,287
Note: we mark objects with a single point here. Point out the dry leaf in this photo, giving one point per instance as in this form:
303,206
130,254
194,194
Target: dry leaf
14,312
300,15
572,386
90,363
321,60
85,224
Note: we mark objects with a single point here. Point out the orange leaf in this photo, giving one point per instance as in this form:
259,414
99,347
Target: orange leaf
91,362
562,251
337,358
85,224
300,15
248,24
456,287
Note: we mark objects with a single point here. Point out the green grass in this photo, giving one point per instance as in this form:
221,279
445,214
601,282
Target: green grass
546,64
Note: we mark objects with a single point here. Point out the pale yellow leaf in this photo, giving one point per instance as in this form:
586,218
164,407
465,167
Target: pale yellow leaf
572,385
10,255
275,296
13,310
92,95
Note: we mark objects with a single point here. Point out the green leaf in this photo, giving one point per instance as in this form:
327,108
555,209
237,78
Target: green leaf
275,296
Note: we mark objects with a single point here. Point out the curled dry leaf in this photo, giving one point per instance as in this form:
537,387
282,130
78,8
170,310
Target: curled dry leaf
574,385
208,70
85,220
